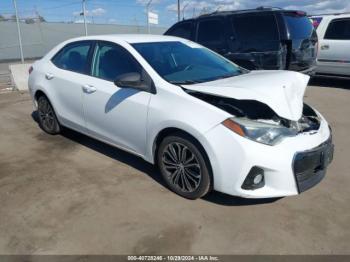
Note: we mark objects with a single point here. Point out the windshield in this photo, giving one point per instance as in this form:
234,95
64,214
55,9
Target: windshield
181,63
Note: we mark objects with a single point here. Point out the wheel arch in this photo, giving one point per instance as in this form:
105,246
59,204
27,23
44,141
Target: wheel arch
38,93
178,131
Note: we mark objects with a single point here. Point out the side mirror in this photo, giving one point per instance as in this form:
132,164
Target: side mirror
131,80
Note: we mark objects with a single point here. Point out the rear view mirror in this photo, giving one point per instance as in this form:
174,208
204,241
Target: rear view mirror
131,80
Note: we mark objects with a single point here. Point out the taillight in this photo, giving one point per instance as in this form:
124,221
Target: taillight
30,69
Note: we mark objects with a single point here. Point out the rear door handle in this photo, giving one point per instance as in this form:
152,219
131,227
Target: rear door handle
89,89
49,76
324,47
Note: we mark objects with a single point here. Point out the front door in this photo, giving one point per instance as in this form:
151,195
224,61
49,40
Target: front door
115,115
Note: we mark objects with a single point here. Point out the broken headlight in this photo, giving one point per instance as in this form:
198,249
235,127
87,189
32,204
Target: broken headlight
265,133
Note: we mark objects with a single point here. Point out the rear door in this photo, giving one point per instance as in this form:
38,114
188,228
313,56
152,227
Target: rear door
303,41
334,55
64,78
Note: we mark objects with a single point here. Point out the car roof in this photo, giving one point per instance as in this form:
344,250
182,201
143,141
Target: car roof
244,11
337,15
129,38
249,11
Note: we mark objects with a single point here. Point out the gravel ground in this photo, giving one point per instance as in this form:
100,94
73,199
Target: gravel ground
69,194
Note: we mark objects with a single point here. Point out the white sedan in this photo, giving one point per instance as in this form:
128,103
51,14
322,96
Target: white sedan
207,123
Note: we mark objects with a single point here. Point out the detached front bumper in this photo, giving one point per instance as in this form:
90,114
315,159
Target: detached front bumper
290,167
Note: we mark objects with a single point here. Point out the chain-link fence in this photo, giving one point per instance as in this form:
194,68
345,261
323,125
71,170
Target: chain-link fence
39,33
44,24
40,37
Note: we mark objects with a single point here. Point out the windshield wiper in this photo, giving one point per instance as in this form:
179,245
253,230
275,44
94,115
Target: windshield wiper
186,82
191,82
226,76
223,77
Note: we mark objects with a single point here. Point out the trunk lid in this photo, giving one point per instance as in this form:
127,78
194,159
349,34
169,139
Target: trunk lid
282,91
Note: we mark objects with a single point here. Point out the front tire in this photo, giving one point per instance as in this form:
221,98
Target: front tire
47,117
183,166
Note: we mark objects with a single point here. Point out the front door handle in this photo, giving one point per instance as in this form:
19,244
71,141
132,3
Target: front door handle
49,76
89,89
324,47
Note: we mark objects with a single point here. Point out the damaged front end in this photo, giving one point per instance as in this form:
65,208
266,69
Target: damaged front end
257,121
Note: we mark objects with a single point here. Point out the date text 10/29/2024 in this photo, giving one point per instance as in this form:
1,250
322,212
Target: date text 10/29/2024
173,258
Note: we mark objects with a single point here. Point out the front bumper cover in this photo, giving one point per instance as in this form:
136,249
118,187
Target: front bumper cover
310,166
233,156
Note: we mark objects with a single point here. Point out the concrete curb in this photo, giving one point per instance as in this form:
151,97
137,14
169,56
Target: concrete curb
19,75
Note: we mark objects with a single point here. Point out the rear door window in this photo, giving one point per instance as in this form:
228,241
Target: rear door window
338,30
299,26
74,57
183,30
256,32
211,33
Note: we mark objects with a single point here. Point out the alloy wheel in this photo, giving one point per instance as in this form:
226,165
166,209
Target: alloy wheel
46,115
182,166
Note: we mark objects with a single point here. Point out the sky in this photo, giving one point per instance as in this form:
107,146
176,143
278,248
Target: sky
133,11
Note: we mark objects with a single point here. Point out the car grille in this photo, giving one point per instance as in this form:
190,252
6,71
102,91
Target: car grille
310,166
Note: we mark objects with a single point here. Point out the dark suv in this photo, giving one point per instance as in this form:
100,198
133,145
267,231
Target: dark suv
262,38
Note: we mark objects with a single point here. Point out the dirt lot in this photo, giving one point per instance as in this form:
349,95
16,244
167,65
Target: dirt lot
70,194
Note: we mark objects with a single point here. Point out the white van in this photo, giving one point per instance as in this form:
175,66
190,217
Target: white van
334,44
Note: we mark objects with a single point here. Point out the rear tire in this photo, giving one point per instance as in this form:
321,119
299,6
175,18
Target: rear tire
47,117
183,166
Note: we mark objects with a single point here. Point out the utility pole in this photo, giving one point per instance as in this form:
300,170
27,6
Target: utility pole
147,16
38,18
84,14
19,31
178,10
184,10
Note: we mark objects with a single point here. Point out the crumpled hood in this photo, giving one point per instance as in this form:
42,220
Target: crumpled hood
282,91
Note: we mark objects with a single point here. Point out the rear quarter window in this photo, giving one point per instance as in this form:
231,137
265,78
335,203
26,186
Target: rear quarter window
256,32
211,32
298,26
257,27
